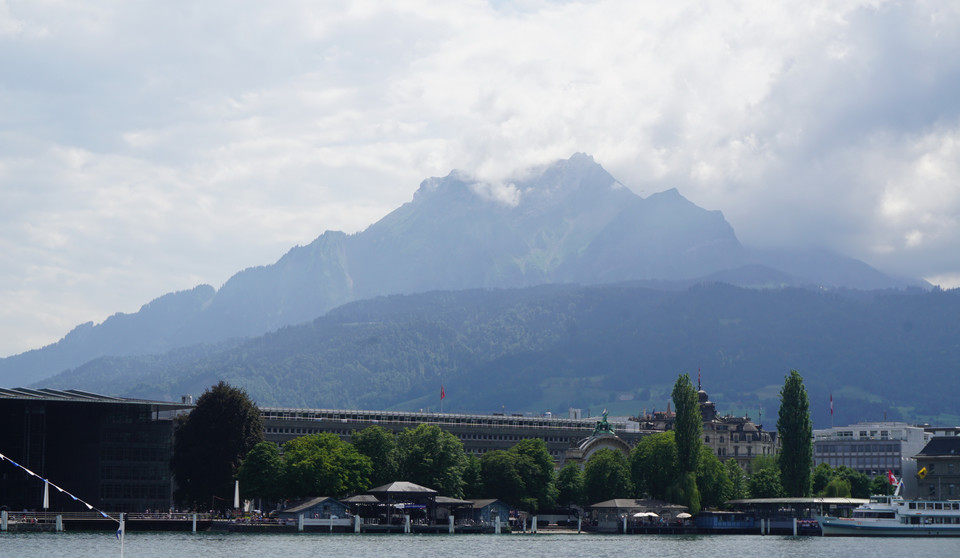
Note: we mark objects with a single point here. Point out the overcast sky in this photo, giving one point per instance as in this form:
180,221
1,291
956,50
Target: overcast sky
147,147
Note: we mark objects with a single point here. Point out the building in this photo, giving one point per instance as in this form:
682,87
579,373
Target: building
938,469
478,433
871,448
727,436
109,451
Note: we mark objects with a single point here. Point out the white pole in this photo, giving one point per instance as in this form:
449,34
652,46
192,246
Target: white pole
236,495
123,531
794,526
46,494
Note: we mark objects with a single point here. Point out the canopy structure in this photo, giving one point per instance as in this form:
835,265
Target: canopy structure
405,498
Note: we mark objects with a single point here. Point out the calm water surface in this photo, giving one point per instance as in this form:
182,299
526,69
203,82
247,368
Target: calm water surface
214,545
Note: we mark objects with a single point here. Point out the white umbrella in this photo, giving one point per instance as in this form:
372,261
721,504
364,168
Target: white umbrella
651,514
640,514
683,515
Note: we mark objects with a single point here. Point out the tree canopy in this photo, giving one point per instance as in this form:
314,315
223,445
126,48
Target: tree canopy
211,442
795,430
324,465
432,457
606,475
261,472
380,445
653,464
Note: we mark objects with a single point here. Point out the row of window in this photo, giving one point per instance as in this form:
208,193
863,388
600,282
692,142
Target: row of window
498,437
856,448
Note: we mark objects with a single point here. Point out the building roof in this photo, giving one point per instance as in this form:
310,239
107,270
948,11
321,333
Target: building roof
477,504
941,446
76,395
633,503
401,487
308,503
361,499
447,501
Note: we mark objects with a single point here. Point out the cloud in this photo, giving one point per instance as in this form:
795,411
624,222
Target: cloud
149,146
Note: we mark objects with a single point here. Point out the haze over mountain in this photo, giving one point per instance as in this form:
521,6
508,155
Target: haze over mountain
570,222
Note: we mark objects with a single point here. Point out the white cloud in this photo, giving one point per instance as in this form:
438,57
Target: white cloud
151,146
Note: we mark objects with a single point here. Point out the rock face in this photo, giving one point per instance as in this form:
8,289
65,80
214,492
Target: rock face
570,221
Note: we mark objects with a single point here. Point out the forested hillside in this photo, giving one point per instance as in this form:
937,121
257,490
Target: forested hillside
554,347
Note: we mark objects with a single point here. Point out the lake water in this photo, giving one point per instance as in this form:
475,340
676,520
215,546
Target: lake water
215,545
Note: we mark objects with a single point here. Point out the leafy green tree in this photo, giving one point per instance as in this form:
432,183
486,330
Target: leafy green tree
472,478
881,485
859,482
261,472
738,481
606,476
570,486
838,487
535,467
380,445
765,483
501,479
211,442
712,481
324,465
688,427
432,457
761,462
796,437
653,464
822,474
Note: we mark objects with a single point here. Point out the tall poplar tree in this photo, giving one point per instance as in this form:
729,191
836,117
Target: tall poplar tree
796,437
687,427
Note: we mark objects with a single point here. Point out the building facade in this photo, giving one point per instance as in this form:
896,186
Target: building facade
938,469
478,433
727,436
872,448
109,451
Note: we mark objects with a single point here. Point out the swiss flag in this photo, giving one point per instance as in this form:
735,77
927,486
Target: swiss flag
442,393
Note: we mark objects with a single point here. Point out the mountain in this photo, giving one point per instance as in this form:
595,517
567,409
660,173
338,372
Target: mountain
551,347
568,222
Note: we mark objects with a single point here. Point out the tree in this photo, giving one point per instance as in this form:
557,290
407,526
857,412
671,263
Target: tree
881,485
822,474
380,445
765,483
606,476
501,480
653,464
859,482
796,437
712,481
210,443
570,486
432,457
472,478
838,487
535,467
261,472
324,465
738,481
688,427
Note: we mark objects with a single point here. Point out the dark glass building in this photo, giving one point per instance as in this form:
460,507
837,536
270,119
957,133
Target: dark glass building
109,451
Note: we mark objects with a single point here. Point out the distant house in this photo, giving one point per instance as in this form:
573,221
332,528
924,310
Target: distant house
938,469
487,511
321,507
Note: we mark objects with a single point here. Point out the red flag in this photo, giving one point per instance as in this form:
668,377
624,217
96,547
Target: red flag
891,478
442,393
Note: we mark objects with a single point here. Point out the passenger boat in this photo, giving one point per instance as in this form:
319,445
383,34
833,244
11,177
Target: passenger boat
892,516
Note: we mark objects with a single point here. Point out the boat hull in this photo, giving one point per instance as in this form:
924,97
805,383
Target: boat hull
834,527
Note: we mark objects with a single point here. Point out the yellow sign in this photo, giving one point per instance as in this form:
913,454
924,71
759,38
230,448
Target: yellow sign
922,473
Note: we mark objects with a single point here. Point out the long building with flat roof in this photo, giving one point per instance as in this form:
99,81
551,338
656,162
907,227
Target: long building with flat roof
479,433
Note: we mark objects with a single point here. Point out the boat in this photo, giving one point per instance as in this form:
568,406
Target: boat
893,516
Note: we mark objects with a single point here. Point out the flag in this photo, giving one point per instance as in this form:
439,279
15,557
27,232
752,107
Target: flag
891,478
442,393
922,473
831,404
